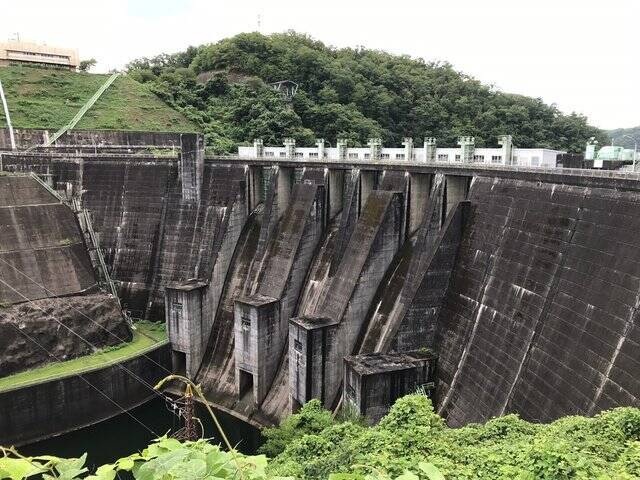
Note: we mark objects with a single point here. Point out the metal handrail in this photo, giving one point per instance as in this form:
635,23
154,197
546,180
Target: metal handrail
82,111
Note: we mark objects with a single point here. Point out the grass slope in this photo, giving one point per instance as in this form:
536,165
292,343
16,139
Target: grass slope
44,98
146,337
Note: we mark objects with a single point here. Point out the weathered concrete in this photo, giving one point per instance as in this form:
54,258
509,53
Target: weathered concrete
42,251
373,244
91,138
46,281
374,381
185,319
541,316
261,323
404,314
59,325
66,404
515,230
217,373
152,230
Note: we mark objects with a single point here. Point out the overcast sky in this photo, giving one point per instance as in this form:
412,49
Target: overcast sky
582,55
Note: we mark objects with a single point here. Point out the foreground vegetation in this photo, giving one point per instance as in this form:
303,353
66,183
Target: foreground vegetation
225,88
604,447
45,98
410,443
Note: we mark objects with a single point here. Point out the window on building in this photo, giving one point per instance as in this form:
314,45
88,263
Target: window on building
458,158
399,156
313,155
269,154
496,158
478,158
299,155
351,392
353,155
443,157
37,54
245,328
297,345
384,156
367,156
283,154
245,324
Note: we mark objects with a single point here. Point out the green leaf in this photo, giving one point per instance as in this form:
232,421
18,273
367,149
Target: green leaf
125,463
18,468
407,475
192,469
105,472
431,470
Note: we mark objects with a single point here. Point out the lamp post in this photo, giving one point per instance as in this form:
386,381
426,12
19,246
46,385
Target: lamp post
635,147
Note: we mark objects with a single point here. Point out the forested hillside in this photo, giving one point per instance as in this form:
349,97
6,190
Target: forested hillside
354,93
621,136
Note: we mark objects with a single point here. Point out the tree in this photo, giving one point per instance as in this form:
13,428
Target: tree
86,65
357,93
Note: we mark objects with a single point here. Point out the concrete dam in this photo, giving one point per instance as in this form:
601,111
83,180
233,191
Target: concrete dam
55,312
497,290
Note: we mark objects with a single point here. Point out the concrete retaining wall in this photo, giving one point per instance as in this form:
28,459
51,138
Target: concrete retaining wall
52,408
33,136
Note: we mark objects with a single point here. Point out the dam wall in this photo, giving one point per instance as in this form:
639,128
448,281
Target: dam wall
154,229
65,404
48,282
522,282
261,319
42,251
541,314
30,137
319,342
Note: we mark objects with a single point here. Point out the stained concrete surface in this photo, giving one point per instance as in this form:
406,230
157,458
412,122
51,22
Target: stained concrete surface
538,317
42,251
541,316
65,327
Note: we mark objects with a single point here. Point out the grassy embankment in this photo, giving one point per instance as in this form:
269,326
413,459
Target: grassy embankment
147,336
45,98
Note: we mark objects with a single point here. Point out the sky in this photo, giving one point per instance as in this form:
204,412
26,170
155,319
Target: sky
581,55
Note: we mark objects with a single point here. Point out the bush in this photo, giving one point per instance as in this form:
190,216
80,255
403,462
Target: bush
311,419
603,447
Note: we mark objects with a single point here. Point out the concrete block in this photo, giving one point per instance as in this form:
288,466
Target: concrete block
373,382
257,349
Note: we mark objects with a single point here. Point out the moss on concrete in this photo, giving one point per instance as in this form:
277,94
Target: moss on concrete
147,336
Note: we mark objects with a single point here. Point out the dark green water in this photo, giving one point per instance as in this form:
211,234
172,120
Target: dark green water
121,436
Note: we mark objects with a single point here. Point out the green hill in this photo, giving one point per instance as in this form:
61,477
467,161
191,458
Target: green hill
349,93
621,136
45,98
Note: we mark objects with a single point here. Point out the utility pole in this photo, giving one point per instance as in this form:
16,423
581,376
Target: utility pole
188,432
